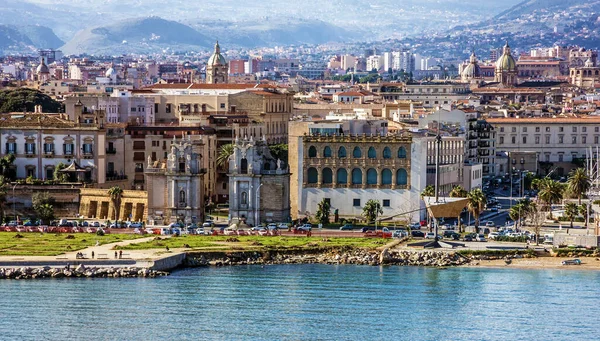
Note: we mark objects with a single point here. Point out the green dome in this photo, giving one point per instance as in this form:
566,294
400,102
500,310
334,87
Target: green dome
506,62
217,58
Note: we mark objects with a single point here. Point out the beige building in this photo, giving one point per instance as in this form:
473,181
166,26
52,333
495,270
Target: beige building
97,204
586,76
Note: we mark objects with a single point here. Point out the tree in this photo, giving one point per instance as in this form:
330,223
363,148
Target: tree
429,191
537,217
476,204
26,99
279,151
579,183
115,193
41,198
520,210
371,210
45,212
60,176
6,167
2,198
458,192
323,210
225,151
551,192
571,211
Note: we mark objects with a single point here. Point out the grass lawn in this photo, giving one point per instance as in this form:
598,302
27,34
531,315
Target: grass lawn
50,244
219,243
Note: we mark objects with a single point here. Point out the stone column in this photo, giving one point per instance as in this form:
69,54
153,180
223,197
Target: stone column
364,178
393,178
173,193
319,177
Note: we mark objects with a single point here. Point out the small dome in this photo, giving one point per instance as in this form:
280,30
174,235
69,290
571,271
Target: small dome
217,58
472,70
506,62
111,72
42,68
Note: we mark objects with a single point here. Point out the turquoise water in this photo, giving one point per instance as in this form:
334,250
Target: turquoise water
308,302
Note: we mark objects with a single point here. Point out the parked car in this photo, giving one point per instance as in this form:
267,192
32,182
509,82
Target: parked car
208,223
415,226
367,228
272,226
283,226
493,235
417,234
451,235
480,238
305,227
95,224
429,235
490,224
575,261
493,209
346,227
469,237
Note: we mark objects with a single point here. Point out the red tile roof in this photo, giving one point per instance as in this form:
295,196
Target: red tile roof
197,86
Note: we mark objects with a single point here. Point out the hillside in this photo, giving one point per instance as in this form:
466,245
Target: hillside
15,38
146,35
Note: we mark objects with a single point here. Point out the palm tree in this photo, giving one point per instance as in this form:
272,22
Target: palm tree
476,204
520,210
551,192
115,193
225,152
458,192
579,183
371,209
571,211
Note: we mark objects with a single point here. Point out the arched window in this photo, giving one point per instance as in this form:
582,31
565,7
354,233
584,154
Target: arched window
402,153
371,177
244,166
312,151
387,153
372,153
313,176
356,176
327,152
401,177
342,176
327,176
342,152
357,153
386,177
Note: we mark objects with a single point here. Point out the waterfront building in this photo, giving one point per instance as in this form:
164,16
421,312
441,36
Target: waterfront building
259,184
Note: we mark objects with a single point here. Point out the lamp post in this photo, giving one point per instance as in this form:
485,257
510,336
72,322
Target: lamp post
256,205
15,202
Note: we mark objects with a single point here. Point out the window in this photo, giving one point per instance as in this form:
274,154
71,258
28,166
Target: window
49,173
342,152
87,148
537,129
584,129
342,176
584,139
386,202
139,167
222,105
537,140
501,139
513,139
356,202
547,139
596,139
597,129
356,176
327,152
371,177
501,129
356,153
560,139
244,198
312,151
524,139
401,177
574,139
372,154
30,148
387,153
48,148
547,129
401,153
522,160
31,171
514,129
327,176
312,175
560,157
561,129
574,129
168,108
386,177
11,147
524,129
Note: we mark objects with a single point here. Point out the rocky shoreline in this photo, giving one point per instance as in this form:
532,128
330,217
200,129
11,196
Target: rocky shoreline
79,271
331,256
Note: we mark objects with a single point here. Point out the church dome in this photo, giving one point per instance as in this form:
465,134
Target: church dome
472,70
506,62
217,58
42,68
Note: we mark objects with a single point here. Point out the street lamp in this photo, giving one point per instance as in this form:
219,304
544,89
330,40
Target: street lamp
15,202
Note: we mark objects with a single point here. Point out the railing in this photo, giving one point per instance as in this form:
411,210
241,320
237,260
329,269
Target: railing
111,151
115,177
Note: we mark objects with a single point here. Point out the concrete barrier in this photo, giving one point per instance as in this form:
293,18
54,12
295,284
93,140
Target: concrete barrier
166,263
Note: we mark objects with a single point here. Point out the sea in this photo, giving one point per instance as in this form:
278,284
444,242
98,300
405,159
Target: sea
308,302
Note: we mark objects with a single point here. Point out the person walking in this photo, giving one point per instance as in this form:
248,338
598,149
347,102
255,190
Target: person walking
120,254
92,254
115,254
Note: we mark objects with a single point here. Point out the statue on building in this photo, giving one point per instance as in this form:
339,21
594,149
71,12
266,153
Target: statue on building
278,164
149,161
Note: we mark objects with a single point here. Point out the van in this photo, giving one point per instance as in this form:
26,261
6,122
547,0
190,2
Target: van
548,239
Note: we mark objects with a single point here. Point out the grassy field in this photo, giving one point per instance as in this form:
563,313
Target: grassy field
49,244
254,242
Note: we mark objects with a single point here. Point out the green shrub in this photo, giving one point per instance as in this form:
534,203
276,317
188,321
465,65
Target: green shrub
522,239
100,232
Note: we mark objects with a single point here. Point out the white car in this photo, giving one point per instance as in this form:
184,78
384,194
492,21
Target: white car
493,235
282,226
490,224
272,226
429,235
480,238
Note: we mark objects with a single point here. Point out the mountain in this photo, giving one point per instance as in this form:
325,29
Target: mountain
15,39
141,35
274,32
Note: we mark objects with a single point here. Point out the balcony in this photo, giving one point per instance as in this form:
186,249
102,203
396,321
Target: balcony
111,151
30,153
114,176
88,155
49,154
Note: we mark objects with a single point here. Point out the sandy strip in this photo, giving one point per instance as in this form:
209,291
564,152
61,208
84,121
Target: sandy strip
587,263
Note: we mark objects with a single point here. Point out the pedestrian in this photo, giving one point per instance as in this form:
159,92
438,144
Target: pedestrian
92,254
97,243
115,254
167,248
120,254
68,266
